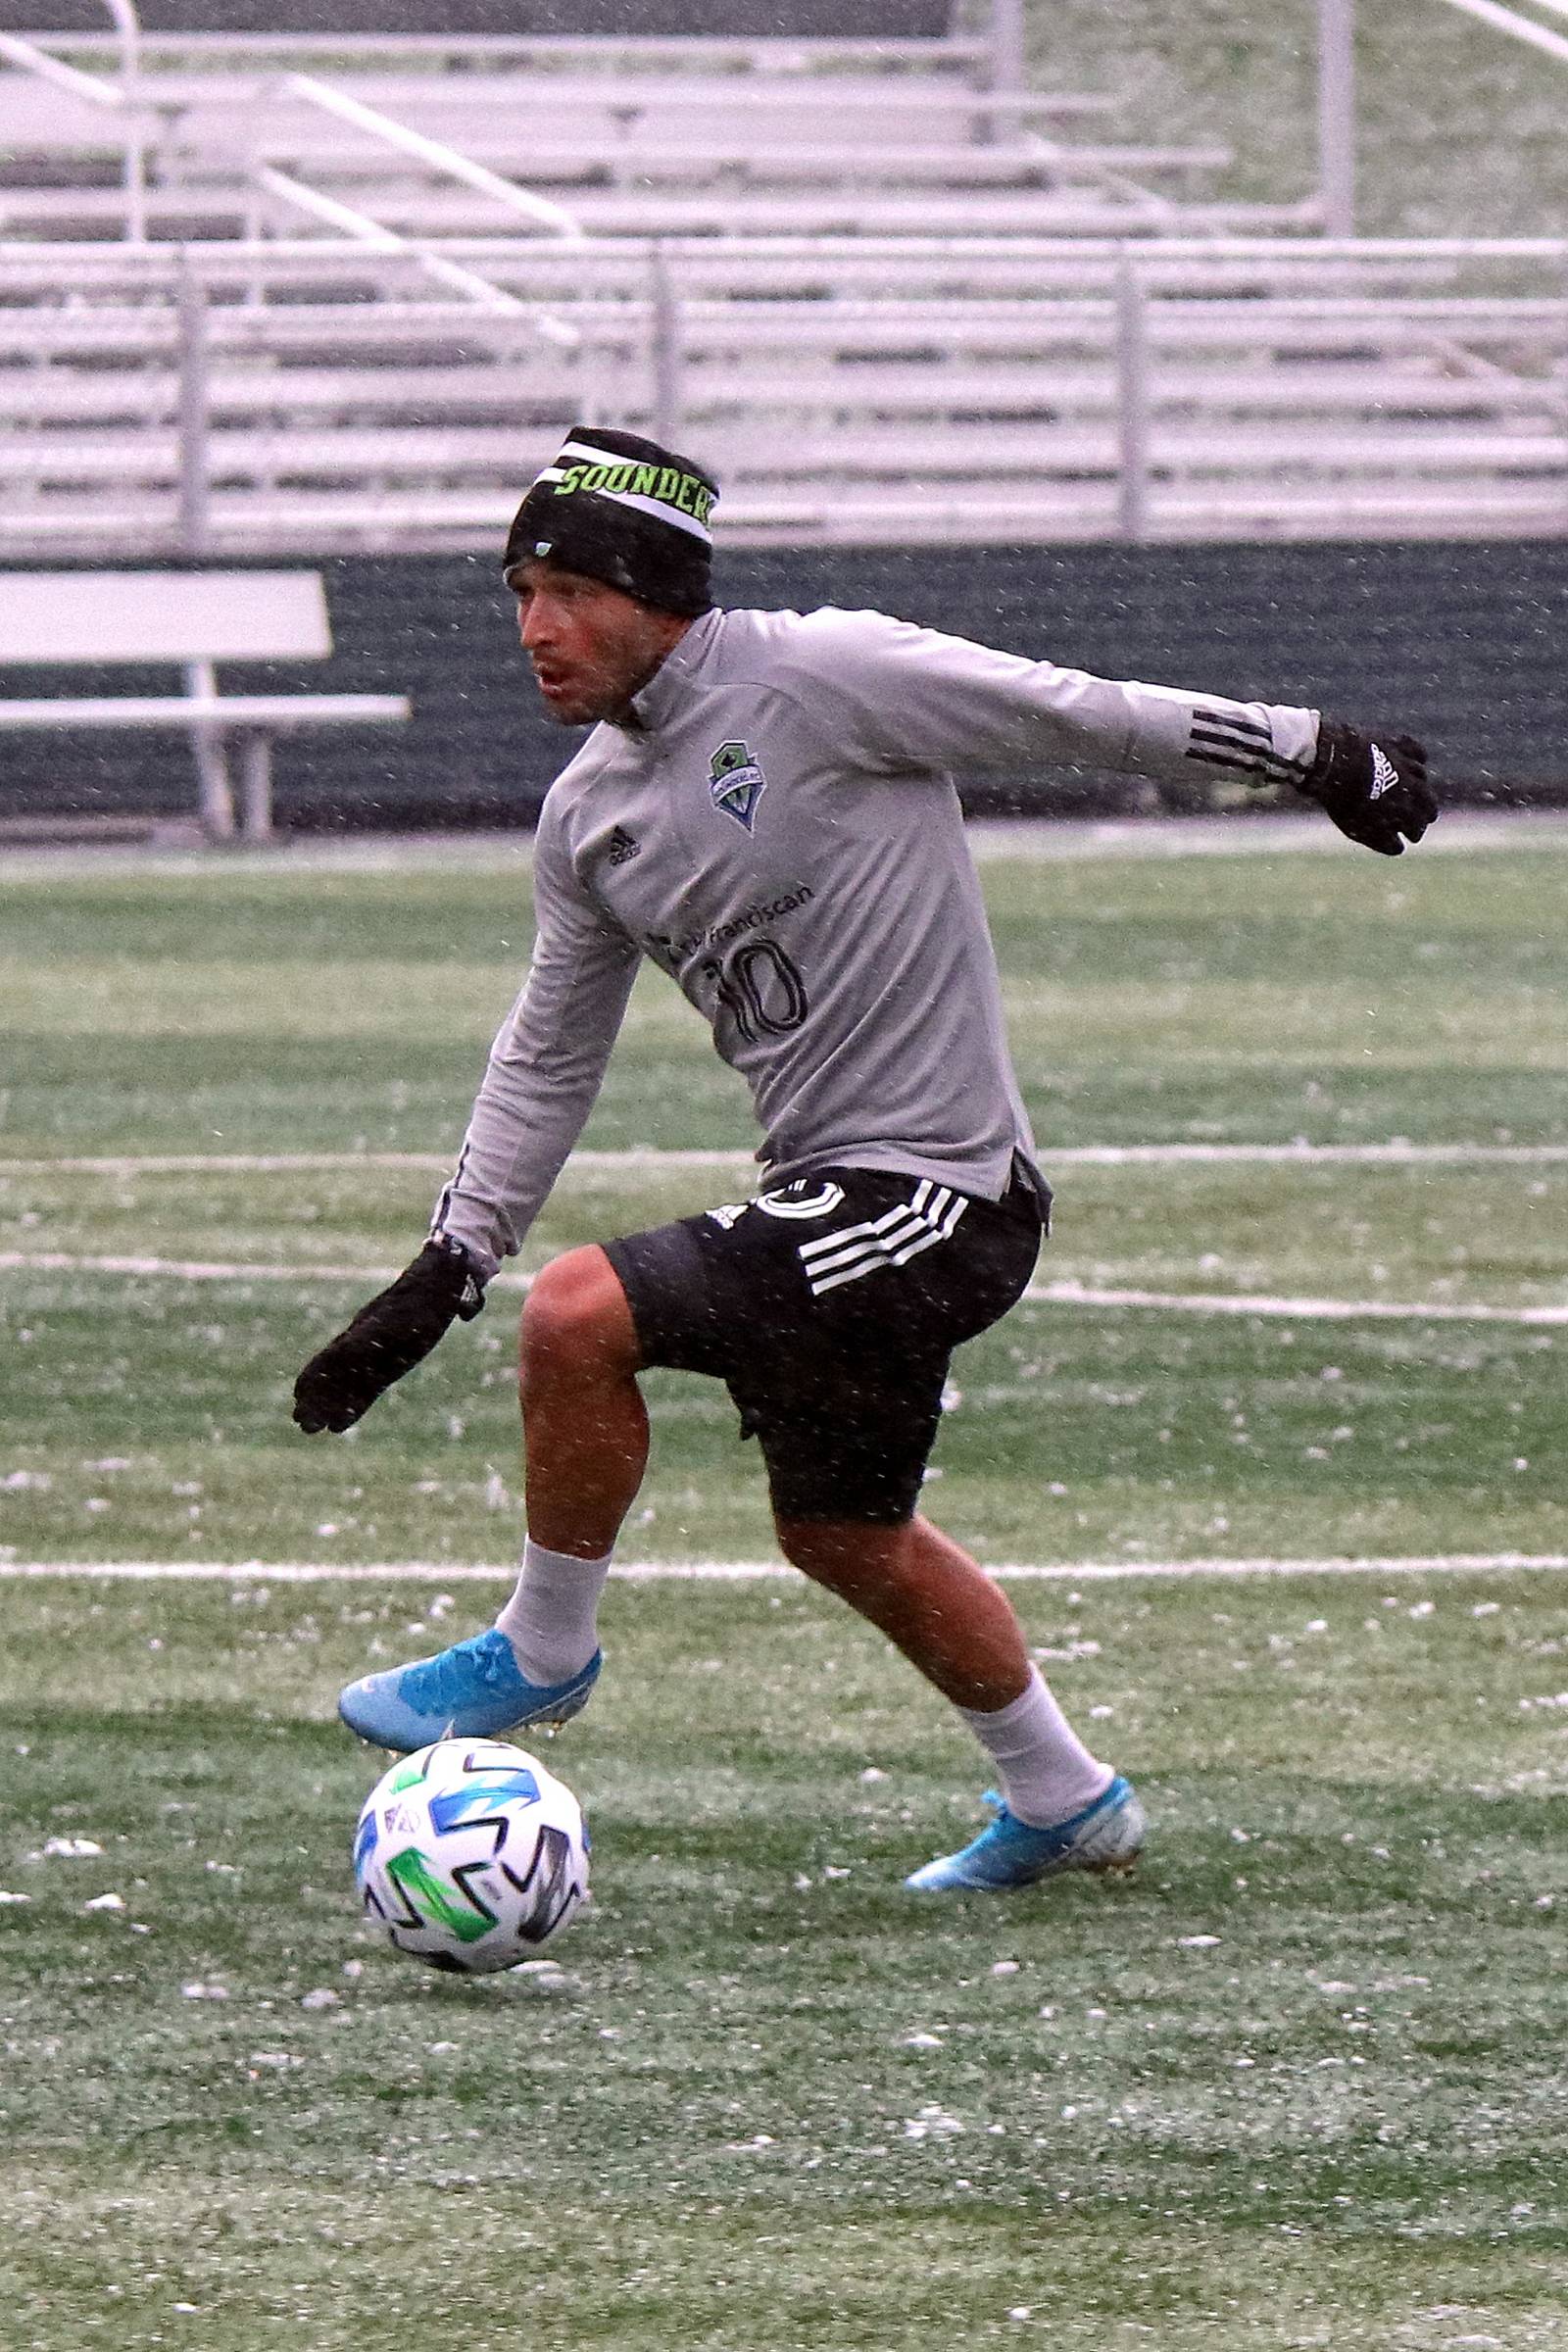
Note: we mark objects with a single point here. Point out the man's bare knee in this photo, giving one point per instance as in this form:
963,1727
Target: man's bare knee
840,1553
577,1321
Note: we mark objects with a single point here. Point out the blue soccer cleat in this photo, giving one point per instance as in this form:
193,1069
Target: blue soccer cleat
1107,1835
473,1690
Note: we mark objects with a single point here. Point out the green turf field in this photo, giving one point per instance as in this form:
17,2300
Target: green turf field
1299,2084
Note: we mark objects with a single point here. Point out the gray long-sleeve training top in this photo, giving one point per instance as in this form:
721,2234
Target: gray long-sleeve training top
775,825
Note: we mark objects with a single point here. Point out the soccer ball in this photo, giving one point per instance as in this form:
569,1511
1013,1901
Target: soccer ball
471,1856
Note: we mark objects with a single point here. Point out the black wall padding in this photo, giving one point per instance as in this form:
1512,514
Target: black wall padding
1461,643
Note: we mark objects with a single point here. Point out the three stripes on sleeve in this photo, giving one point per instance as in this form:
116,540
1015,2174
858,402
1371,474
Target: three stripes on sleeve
1239,736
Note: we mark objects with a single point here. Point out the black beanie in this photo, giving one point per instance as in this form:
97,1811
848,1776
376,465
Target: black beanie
624,510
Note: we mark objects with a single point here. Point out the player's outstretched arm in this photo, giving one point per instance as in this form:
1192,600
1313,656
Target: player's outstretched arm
395,1331
1377,793
916,699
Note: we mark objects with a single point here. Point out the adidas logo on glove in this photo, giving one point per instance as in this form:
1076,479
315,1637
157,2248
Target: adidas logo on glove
1384,773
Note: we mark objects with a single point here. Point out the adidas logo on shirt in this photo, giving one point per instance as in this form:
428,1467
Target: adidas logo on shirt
622,847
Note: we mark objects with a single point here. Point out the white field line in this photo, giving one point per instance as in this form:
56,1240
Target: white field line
1257,833
324,1164
647,1158
746,1572
1304,1310
210,1269
1043,838
1041,1293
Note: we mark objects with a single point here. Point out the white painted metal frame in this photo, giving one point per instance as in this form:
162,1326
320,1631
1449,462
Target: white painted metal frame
1520,29
95,91
192,620
522,203
1337,116
812,405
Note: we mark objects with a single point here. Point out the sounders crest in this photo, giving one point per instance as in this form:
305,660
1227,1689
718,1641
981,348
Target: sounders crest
736,782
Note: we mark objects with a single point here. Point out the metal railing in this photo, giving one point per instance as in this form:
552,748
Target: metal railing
320,396
1518,28
522,203
93,90
993,62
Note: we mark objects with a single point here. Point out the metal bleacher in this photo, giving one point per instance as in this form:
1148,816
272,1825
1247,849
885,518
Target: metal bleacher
255,298
740,142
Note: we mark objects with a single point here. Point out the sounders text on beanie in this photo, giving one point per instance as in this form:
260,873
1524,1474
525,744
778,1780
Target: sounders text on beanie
664,491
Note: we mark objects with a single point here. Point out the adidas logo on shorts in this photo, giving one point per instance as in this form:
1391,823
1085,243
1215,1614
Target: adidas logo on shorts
852,1251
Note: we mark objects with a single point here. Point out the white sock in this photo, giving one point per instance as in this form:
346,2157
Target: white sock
1046,1773
550,1619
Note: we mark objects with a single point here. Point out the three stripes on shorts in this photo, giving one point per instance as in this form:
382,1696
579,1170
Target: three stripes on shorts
929,1217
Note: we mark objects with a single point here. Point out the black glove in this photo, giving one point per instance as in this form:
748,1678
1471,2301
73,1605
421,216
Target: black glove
388,1337
1375,792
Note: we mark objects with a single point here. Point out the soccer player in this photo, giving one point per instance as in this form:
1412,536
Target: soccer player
765,809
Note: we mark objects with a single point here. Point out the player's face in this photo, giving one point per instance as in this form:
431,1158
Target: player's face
591,646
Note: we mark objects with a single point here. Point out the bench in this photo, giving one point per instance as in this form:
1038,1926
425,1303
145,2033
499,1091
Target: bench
189,620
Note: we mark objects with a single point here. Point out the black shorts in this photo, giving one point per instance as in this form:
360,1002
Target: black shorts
830,1309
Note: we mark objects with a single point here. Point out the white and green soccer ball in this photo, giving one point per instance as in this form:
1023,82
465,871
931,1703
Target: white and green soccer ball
471,1856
